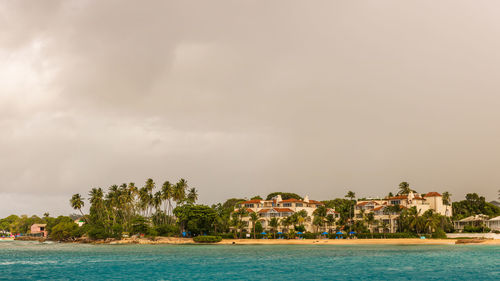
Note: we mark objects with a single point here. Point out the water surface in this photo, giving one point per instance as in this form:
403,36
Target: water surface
33,260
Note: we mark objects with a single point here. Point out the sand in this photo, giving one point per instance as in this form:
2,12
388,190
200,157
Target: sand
180,241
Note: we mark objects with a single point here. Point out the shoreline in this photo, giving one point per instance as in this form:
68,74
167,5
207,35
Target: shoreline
402,241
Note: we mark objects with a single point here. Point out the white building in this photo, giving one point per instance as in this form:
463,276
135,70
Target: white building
279,208
430,201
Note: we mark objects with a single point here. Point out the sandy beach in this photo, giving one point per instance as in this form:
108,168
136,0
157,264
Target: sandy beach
180,241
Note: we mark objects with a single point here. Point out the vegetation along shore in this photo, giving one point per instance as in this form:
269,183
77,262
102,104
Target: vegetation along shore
169,214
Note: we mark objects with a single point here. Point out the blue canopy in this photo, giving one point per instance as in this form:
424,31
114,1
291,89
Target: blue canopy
325,233
263,233
299,233
279,232
340,233
352,232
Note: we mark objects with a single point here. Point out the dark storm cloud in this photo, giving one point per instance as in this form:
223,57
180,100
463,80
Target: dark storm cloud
247,97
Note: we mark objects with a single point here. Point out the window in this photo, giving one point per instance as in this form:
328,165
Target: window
395,202
287,205
298,204
249,205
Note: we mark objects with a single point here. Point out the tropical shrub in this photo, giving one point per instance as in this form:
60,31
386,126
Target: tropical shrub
439,234
476,229
64,230
167,230
207,239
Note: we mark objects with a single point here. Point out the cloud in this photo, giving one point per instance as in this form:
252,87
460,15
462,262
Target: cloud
247,98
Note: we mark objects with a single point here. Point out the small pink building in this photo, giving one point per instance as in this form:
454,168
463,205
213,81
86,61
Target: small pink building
39,229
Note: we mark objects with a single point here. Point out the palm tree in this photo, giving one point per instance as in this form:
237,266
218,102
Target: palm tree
179,192
254,218
404,188
192,195
390,210
77,203
384,226
274,223
370,220
166,194
415,220
318,222
46,215
351,195
446,198
330,221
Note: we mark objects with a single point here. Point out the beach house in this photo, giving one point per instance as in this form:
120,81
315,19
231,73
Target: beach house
387,215
281,208
473,221
38,230
494,223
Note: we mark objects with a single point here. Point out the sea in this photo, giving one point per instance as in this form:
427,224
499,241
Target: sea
23,260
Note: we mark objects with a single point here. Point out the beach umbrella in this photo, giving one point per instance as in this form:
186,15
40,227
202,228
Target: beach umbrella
299,233
263,233
340,233
325,233
352,232
279,232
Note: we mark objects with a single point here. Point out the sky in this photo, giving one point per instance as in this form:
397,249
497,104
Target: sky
247,97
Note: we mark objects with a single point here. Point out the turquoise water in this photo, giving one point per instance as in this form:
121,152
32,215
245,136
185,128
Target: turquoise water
33,260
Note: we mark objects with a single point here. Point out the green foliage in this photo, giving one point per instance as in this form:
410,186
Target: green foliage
167,230
476,229
258,227
284,195
197,219
256,197
64,231
139,225
300,228
474,205
207,239
439,234
384,235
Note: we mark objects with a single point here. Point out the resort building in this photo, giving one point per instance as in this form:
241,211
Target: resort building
38,230
388,216
282,208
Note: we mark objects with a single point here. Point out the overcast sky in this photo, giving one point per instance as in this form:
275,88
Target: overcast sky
247,97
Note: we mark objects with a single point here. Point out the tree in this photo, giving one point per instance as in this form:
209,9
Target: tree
284,195
77,203
197,219
254,218
351,195
370,220
404,188
318,222
391,210
64,230
257,197
330,220
274,223
192,195
446,198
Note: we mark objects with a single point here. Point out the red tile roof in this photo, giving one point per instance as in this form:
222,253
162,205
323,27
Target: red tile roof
331,210
291,200
264,211
283,210
404,197
315,202
432,194
378,208
250,210
251,201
